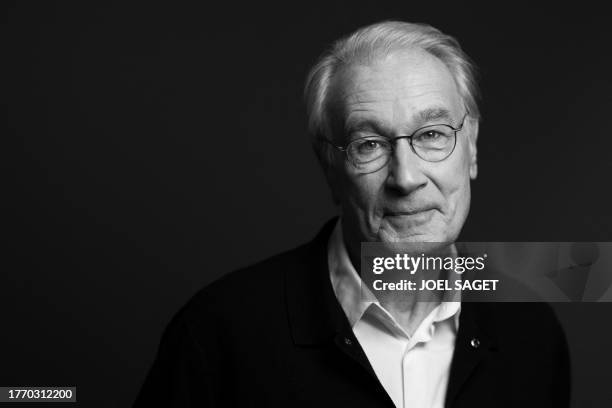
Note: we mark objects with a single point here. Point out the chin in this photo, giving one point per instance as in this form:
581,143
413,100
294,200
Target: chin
414,242
410,236
429,232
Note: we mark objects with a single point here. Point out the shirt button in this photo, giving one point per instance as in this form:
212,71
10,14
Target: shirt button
348,341
475,343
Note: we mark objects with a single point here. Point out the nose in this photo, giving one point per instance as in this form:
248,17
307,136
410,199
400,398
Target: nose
405,173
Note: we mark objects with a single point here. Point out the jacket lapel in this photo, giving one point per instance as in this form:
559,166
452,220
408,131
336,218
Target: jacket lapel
475,341
315,315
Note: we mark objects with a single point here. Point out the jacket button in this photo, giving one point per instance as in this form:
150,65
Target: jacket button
348,341
475,343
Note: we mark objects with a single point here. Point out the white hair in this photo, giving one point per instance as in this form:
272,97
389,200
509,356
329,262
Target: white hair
377,41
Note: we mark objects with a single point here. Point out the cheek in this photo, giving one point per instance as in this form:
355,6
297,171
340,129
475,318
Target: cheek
453,181
454,187
361,192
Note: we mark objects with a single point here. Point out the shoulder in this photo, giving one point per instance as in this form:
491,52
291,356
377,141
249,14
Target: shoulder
261,285
253,297
241,297
240,311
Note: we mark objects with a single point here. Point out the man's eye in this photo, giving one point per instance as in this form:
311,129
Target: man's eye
368,145
430,135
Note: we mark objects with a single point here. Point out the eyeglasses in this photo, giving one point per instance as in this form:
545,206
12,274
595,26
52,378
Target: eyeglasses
432,143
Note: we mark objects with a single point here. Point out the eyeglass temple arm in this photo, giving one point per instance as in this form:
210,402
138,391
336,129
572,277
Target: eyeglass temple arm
323,139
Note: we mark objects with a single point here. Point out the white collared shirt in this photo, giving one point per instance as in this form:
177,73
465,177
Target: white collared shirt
414,370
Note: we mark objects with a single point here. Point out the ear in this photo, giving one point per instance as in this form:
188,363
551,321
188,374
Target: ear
473,156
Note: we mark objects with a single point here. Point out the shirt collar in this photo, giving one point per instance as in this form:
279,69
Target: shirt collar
355,298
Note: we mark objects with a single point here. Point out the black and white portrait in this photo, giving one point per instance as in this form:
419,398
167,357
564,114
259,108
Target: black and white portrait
192,187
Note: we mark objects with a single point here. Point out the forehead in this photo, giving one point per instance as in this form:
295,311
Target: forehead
395,89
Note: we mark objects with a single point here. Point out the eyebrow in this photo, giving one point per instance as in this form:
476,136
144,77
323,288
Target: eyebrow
372,124
431,114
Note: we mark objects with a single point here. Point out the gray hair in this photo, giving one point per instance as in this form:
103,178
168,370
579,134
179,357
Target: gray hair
375,41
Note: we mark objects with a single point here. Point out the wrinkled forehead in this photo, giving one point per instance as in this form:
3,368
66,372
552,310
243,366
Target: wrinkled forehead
402,89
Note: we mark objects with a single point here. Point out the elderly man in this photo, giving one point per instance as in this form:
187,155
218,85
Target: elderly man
394,122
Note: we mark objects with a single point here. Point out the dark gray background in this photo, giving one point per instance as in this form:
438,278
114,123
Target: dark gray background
151,148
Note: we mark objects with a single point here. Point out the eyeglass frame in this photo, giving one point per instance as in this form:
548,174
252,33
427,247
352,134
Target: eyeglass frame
393,142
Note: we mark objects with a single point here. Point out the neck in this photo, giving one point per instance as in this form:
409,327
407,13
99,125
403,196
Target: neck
408,308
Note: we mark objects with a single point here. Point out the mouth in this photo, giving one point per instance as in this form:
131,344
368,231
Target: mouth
408,212
412,217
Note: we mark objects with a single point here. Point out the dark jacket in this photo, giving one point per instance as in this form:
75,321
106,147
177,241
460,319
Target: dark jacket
274,335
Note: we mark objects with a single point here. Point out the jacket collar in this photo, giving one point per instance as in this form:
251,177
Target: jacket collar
315,316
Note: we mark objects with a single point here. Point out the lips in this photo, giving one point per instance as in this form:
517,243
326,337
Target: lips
410,211
409,218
